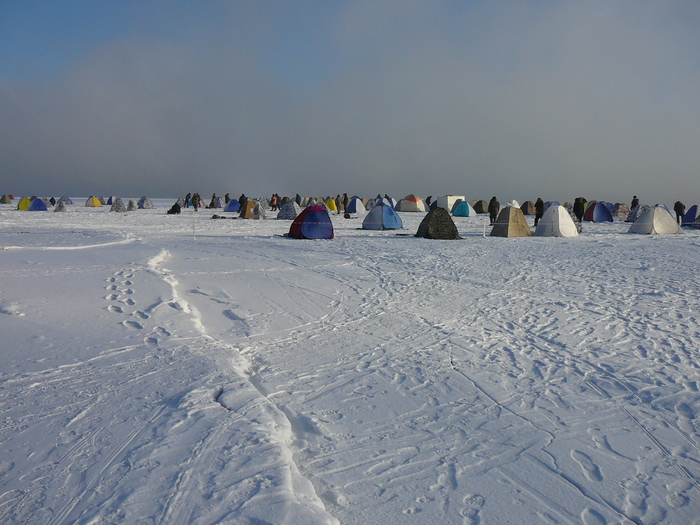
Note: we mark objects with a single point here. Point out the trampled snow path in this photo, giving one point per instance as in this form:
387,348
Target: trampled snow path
242,377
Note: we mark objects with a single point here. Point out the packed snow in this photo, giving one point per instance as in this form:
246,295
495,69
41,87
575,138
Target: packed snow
174,369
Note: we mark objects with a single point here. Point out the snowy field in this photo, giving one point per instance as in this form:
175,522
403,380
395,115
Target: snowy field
171,370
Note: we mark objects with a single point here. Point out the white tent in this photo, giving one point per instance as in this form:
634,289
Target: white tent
655,220
556,222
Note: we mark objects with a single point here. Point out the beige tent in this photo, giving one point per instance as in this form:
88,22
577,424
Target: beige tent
511,223
656,220
247,212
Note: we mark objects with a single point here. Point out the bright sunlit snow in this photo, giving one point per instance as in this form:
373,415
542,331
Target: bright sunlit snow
174,369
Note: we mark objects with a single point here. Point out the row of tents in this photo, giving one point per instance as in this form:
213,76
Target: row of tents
314,222
42,204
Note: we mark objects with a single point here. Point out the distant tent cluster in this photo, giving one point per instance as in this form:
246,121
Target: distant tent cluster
38,204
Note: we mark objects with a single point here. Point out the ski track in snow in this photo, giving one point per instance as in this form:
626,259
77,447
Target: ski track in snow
370,379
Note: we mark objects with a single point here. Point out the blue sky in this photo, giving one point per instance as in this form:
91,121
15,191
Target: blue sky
516,98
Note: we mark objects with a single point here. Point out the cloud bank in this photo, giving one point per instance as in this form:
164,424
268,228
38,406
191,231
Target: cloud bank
514,99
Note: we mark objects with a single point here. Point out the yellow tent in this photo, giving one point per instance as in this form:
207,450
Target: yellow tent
330,204
23,204
93,202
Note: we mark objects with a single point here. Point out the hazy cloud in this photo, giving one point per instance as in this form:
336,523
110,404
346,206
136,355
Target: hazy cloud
517,99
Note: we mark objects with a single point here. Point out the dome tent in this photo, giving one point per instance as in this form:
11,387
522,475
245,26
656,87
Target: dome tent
438,224
656,220
556,222
356,206
597,212
382,217
312,223
145,203
511,223
463,209
37,205
411,203
289,211
233,206
118,205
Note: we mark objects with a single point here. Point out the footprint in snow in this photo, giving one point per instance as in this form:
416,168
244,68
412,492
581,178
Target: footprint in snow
141,315
133,324
115,309
129,301
590,469
112,297
474,503
592,517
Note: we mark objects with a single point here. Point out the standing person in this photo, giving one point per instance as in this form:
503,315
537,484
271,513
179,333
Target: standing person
187,200
578,208
338,203
539,210
227,198
273,202
346,201
195,201
242,200
635,202
494,208
679,208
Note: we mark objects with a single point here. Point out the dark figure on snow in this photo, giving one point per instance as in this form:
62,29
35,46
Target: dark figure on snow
578,208
634,203
174,210
539,210
679,208
187,200
297,199
428,200
196,201
242,200
494,208
227,198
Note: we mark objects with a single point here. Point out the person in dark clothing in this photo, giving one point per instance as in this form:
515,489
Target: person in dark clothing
679,208
428,200
346,201
274,202
494,208
578,208
539,209
297,199
174,210
196,202
187,200
242,200
227,198
634,203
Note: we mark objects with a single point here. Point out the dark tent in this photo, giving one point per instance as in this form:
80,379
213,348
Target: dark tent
438,224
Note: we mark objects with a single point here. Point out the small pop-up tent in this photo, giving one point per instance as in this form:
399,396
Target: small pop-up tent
690,216
463,209
355,206
5,199
656,220
93,202
556,222
37,205
145,203
438,224
597,212
312,223
511,223
412,203
247,211
480,206
289,211
233,206
382,217
118,205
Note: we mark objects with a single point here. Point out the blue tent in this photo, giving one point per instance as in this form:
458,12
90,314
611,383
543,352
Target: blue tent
355,206
382,217
233,206
597,212
463,209
37,205
312,223
690,216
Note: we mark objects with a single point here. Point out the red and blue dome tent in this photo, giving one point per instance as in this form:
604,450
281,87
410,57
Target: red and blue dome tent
312,223
597,212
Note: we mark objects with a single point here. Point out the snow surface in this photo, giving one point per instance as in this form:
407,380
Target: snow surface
164,369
